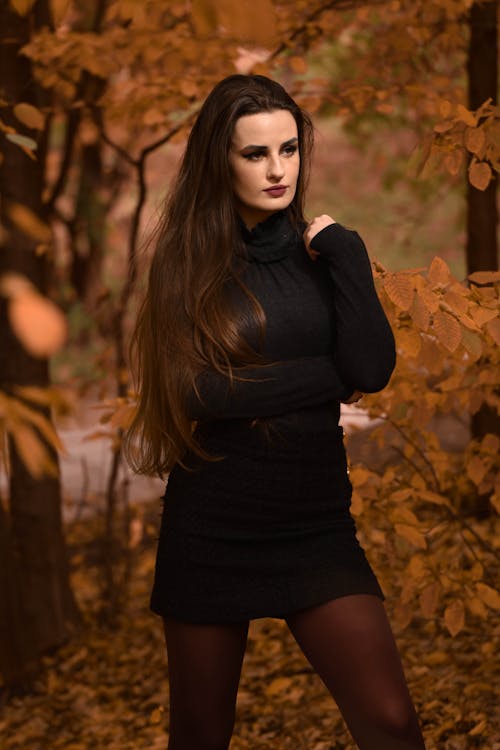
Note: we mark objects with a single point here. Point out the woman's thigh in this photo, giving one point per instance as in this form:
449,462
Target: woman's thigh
350,644
204,666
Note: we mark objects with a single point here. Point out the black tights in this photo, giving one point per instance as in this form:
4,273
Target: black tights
348,641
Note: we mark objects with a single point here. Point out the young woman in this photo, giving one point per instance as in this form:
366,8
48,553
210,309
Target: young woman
256,325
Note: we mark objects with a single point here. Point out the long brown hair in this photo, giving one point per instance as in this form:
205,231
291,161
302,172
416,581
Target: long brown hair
187,323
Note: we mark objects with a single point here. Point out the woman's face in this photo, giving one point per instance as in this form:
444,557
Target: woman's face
264,160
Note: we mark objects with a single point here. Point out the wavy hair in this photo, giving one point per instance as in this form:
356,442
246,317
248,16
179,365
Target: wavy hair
187,322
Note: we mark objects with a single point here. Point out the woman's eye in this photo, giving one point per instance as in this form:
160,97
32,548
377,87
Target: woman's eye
290,150
253,156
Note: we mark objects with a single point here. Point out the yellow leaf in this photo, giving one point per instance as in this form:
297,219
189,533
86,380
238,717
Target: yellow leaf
474,139
447,330
399,289
488,595
429,599
476,469
480,175
29,115
38,323
439,272
454,161
411,534
409,342
454,617
22,7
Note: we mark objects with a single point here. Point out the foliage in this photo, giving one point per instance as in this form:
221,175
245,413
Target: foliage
418,504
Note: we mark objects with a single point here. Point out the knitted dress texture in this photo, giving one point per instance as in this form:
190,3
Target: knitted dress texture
267,530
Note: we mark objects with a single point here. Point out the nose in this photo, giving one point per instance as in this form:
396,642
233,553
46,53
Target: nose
275,167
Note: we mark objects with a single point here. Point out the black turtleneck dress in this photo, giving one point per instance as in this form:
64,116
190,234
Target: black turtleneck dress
267,530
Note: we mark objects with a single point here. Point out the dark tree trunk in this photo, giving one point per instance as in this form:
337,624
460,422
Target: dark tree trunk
38,607
482,72
482,210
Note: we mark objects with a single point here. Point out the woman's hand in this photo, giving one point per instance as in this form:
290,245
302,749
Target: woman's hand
312,229
355,397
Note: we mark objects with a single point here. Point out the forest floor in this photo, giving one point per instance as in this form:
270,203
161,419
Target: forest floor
107,688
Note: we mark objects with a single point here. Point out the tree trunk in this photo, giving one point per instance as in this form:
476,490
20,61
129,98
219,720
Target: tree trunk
38,606
482,211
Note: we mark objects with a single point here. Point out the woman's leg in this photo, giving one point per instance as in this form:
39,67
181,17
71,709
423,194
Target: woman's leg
350,644
204,665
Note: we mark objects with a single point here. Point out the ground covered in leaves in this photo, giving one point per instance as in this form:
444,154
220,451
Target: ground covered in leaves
108,689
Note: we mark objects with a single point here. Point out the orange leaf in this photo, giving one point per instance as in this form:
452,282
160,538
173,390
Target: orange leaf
454,617
29,115
420,312
31,224
399,289
429,599
38,323
480,175
474,139
22,7
488,595
484,277
476,469
439,272
298,64
411,534
465,115
447,330
493,328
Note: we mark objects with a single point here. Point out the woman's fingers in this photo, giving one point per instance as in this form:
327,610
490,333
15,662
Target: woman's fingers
312,229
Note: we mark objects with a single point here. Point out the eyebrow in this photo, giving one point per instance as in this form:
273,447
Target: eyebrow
255,147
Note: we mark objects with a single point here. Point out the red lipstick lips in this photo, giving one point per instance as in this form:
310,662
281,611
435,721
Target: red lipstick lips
276,191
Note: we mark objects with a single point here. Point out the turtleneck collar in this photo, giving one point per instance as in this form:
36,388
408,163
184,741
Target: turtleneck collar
269,240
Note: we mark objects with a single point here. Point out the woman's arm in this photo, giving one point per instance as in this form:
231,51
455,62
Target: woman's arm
365,351
267,391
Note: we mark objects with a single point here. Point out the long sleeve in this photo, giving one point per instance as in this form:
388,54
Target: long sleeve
268,391
365,351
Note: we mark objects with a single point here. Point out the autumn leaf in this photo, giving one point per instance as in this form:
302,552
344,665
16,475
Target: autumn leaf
29,115
439,272
454,617
447,329
22,7
429,599
38,323
399,289
476,469
411,534
474,140
488,595
480,175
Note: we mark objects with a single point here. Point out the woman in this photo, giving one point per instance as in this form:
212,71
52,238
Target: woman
255,327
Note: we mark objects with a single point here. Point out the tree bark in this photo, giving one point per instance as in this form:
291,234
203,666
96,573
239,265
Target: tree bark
39,609
482,209
482,73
